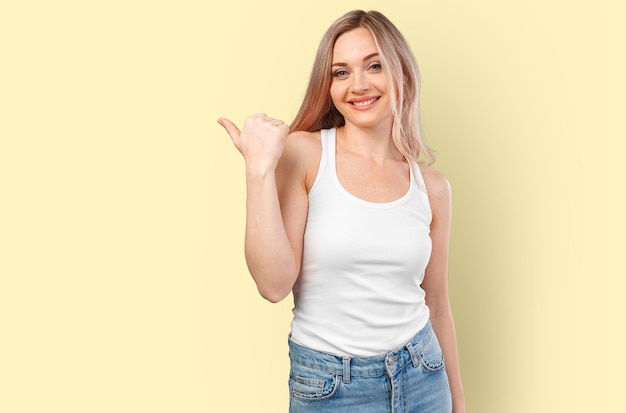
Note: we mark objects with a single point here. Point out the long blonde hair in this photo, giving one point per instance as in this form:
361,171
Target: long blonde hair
400,67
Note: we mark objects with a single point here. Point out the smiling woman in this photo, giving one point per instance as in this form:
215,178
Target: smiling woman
343,211
359,88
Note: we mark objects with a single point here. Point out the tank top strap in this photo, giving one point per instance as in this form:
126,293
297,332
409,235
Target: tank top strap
331,144
329,148
327,157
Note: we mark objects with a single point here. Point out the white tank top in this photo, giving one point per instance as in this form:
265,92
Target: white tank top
358,293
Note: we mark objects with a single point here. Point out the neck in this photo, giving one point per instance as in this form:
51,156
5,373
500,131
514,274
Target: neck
373,143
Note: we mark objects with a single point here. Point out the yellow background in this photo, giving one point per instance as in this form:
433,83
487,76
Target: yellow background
123,286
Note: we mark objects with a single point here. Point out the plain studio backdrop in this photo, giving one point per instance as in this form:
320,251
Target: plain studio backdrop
123,286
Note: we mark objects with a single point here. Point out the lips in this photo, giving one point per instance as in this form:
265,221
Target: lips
363,102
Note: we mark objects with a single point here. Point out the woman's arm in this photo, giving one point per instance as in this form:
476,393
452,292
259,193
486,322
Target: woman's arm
436,280
276,203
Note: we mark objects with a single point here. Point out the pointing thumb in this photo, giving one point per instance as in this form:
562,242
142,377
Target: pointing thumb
231,128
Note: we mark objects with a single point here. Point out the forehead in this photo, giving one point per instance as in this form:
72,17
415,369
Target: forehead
354,45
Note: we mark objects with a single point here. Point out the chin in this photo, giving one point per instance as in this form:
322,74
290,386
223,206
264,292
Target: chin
368,123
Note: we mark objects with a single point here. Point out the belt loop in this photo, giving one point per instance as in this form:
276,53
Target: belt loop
346,370
414,355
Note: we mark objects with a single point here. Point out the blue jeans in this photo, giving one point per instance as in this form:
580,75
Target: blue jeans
411,379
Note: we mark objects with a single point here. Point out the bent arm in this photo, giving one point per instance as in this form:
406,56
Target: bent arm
436,281
268,253
276,203
276,209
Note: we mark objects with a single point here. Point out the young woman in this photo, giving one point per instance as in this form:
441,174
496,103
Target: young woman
345,212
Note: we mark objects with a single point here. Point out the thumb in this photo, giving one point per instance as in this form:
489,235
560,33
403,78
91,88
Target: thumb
231,128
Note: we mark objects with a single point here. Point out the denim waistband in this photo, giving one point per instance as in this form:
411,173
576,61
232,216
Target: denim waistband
347,367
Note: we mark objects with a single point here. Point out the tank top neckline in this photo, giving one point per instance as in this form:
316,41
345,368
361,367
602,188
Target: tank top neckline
329,145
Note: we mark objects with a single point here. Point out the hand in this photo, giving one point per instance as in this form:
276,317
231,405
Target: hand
261,141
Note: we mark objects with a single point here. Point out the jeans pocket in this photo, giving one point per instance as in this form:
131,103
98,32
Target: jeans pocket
311,385
431,356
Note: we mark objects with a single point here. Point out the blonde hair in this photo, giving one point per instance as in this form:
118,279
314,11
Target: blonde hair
400,67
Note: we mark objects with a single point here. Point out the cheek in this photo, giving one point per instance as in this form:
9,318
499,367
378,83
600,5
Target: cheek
335,94
383,84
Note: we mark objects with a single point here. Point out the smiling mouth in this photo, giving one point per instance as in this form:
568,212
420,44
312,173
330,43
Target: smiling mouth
365,102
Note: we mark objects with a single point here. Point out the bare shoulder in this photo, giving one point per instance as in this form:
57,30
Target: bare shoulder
437,184
303,142
301,156
439,194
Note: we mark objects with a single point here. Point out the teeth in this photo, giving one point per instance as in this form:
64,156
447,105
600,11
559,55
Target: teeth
364,103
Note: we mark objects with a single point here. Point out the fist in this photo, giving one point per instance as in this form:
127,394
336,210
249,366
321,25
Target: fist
261,141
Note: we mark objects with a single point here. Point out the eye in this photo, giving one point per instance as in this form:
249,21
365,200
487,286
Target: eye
340,73
375,67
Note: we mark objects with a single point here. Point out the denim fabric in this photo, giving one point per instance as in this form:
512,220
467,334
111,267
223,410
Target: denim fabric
411,379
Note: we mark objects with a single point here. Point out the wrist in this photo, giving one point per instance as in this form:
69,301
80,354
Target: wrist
256,171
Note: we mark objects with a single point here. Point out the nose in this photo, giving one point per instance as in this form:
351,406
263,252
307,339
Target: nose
360,83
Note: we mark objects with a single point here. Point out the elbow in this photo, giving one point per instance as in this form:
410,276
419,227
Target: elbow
274,295
275,290
274,285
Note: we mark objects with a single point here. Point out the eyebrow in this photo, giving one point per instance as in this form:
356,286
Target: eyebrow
368,57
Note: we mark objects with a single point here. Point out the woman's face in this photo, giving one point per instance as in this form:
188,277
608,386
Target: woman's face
359,87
